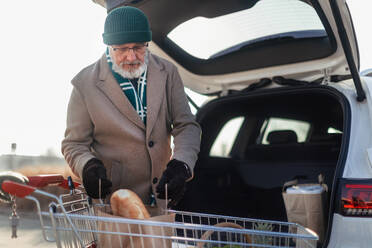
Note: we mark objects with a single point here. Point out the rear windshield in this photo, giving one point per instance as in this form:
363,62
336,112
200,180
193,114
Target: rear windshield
207,38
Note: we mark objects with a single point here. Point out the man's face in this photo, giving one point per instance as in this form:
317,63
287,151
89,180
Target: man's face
130,56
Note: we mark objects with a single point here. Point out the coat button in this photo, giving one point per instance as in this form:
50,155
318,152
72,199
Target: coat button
151,143
154,180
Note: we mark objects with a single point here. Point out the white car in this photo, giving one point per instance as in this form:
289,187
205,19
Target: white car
288,102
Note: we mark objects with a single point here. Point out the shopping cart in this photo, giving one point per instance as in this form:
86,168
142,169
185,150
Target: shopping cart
73,220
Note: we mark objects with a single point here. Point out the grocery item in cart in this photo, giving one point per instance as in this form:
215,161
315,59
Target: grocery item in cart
127,204
207,234
139,233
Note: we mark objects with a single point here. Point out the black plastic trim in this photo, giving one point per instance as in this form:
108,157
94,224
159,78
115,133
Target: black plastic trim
361,95
355,37
192,102
340,167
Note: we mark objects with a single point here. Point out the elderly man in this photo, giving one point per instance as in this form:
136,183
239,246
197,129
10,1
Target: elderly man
122,113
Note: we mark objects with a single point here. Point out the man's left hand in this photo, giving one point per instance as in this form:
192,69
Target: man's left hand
175,177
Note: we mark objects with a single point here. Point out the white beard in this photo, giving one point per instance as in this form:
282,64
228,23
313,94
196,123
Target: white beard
135,73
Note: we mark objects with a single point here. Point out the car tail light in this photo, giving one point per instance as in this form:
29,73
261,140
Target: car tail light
356,198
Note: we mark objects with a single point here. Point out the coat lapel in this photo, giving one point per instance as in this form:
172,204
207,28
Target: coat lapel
108,85
156,79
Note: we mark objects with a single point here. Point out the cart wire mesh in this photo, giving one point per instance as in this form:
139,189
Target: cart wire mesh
73,220
85,226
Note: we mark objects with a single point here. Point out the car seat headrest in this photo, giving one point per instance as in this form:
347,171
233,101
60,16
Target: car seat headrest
282,137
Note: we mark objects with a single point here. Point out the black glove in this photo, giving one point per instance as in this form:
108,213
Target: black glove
175,177
92,172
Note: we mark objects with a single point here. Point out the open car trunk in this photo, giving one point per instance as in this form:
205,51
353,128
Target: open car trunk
276,135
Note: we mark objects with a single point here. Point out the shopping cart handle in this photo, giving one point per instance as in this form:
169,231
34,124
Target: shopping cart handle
17,189
68,185
45,180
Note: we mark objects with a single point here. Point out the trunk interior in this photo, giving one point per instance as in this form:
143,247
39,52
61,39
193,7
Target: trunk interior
253,143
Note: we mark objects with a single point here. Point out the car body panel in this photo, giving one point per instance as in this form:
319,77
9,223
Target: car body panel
354,231
310,70
357,164
350,232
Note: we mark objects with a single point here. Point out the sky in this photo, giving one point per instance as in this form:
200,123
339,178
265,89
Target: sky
44,43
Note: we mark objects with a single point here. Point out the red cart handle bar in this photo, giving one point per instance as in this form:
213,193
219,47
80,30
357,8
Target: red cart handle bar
22,190
44,180
17,189
51,179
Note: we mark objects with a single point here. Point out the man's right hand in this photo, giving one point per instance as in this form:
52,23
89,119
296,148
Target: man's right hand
92,172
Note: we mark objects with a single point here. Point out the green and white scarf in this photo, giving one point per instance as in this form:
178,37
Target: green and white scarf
137,97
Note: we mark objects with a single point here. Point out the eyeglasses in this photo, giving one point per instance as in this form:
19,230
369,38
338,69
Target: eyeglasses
137,49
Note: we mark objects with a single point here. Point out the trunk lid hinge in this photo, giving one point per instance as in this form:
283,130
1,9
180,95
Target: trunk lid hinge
327,76
224,90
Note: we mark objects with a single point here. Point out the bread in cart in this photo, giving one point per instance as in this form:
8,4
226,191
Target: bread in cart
127,204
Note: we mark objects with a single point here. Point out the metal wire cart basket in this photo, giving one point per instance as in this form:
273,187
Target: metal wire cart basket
74,221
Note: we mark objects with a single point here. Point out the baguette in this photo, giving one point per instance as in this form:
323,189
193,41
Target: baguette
127,204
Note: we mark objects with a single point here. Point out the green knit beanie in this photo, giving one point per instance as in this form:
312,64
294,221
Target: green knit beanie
126,25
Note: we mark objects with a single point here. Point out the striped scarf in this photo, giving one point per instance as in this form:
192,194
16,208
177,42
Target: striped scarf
137,97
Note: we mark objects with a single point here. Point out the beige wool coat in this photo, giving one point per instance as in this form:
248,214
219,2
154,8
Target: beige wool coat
102,123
